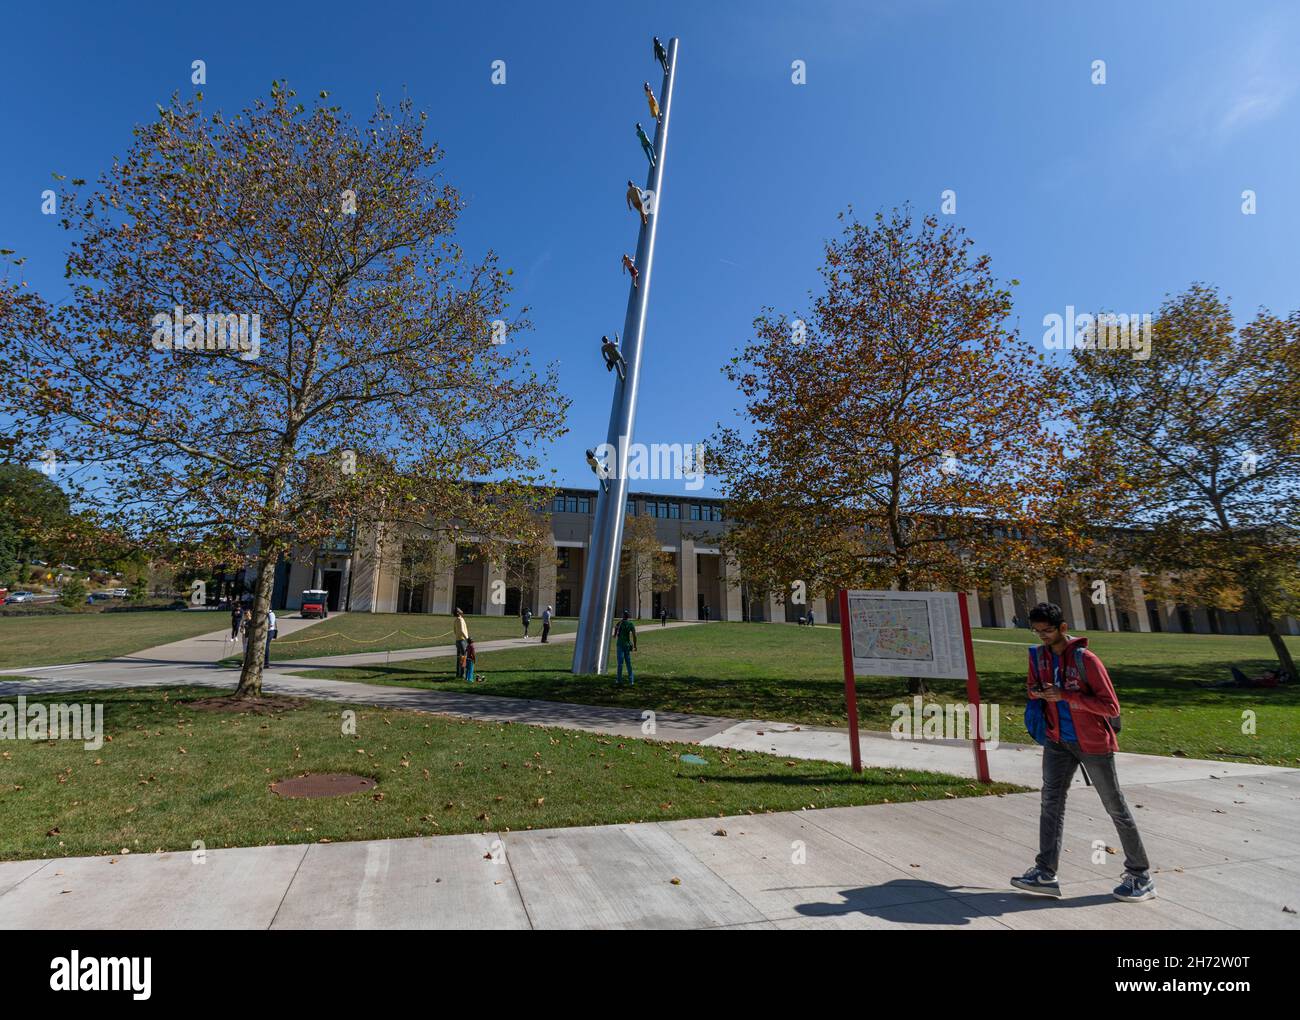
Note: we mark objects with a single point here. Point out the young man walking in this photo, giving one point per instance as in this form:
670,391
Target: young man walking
546,626
625,631
1079,703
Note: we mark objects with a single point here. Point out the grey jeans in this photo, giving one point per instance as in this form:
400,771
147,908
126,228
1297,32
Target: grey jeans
1059,762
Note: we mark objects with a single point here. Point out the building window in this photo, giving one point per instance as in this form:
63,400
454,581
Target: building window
631,508
562,558
557,504
695,512
571,504
584,505
675,511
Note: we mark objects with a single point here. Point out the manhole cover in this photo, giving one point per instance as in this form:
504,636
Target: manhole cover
327,784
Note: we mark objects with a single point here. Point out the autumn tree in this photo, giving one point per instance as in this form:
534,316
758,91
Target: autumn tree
643,560
1203,441
901,435
272,334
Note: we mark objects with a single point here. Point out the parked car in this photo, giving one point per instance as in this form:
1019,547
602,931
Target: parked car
315,603
98,596
20,596
118,593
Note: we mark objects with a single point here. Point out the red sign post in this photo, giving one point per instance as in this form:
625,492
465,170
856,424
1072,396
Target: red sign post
952,657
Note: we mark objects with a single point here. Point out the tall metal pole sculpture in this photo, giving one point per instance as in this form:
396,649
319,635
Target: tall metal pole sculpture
600,579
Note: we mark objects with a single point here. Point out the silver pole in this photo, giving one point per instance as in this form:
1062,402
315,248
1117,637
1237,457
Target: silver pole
600,578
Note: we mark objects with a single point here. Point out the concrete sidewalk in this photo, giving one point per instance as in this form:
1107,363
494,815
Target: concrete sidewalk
1226,854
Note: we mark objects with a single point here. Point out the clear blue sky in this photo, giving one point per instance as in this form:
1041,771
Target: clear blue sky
1097,196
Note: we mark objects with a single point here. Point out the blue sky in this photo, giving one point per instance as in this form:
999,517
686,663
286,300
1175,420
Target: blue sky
1096,196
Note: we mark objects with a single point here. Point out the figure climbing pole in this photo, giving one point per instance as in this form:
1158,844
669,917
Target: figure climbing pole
600,578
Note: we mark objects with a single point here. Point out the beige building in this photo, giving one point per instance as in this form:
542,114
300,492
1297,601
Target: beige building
364,575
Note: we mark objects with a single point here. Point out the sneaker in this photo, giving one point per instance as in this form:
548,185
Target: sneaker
1039,882
1135,889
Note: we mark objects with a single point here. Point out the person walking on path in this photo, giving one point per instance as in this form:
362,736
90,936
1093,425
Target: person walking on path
527,618
812,617
625,631
546,625
1081,714
236,619
461,629
663,616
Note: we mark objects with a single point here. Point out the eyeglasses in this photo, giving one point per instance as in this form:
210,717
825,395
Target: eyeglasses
1041,632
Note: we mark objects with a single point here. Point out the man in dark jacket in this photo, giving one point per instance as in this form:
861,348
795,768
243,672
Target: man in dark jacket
1079,704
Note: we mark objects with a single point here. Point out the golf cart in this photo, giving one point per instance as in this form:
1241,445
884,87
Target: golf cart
315,603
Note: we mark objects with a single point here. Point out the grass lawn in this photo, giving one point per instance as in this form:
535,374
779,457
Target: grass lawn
86,637
788,673
346,633
168,774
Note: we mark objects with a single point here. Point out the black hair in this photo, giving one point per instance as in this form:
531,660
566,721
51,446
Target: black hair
1047,612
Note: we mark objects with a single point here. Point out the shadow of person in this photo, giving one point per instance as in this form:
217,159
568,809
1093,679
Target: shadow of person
916,901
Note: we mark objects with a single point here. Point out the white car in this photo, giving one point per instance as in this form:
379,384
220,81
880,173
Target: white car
21,596
118,593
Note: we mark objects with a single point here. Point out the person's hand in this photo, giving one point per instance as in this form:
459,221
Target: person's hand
1051,694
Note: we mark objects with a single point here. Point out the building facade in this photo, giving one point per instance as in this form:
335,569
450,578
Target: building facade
364,573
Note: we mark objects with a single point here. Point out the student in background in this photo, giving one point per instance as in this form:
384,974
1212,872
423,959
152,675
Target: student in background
469,661
461,629
546,625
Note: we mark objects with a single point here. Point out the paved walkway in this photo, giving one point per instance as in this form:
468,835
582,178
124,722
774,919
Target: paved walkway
1224,839
1226,855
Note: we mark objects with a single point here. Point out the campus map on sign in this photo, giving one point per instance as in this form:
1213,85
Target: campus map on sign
896,633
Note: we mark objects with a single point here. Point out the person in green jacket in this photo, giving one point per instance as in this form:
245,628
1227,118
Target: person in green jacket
625,631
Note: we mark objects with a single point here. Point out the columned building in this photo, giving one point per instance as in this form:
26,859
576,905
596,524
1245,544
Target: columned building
367,572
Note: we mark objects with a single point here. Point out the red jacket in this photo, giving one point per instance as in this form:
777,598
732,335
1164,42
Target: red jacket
1091,697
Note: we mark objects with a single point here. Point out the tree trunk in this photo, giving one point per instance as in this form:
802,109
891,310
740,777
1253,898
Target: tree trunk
1264,620
250,675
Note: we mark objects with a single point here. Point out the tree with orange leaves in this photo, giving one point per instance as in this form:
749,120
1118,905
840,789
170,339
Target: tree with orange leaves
272,335
902,437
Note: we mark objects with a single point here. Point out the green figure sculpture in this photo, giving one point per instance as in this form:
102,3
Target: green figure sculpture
646,147
661,54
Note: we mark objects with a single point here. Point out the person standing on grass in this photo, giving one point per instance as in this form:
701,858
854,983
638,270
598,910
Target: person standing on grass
527,618
469,661
625,631
1079,704
461,629
546,625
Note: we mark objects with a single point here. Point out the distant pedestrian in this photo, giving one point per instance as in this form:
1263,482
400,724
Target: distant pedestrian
625,631
812,618
272,632
663,617
527,618
706,612
246,625
546,625
461,629
236,620
469,661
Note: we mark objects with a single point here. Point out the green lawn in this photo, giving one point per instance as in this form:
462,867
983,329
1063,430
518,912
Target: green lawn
86,637
168,775
787,673
347,633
